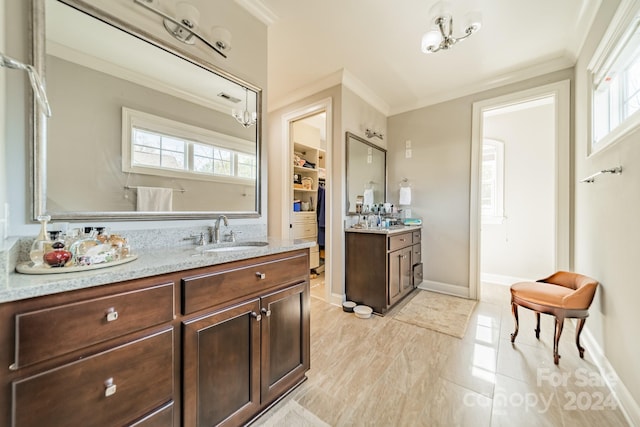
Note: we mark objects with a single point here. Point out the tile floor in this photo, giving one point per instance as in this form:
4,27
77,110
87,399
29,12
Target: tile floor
382,372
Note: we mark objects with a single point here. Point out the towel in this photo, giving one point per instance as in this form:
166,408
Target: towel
405,196
154,199
368,197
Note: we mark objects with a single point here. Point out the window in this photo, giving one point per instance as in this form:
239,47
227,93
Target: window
615,79
492,186
155,145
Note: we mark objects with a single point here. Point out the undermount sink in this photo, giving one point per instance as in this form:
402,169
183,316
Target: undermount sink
238,246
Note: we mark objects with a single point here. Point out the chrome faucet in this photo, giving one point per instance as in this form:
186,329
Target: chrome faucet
216,228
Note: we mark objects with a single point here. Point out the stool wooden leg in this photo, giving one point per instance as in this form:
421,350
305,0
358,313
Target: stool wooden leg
556,339
537,325
514,310
578,332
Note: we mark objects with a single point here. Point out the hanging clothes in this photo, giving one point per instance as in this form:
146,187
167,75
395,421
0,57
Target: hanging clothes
320,215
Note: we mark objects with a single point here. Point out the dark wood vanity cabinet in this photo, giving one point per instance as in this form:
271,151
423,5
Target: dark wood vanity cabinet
379,267
240,359
151,352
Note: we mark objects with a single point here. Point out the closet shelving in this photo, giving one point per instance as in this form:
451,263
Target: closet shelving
304,186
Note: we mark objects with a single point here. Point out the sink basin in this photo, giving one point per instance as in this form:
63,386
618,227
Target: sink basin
238,246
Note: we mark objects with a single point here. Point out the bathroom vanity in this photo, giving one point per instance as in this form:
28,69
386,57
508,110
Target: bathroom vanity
216,340
382,265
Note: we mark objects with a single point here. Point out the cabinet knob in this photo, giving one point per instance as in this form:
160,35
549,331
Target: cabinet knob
112,314
256,316
266,312
403,240
109,388
261,275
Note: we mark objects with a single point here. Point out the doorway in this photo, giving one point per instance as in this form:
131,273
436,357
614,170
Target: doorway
519,219
309,135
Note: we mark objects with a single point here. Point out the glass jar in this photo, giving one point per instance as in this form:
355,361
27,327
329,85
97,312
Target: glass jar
41,244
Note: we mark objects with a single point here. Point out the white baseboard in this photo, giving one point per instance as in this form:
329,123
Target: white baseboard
337,299
444,288
500,279
628,405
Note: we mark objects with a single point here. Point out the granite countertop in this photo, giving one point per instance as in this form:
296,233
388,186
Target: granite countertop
392,230
150,262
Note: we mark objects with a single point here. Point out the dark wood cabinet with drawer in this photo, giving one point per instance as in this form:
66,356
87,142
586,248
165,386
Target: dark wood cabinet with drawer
379,268
219,348
114,387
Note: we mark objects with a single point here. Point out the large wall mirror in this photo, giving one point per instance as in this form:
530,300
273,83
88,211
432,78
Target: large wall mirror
138,129
366,173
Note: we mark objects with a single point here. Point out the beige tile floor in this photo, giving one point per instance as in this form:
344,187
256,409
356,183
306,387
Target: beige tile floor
382,372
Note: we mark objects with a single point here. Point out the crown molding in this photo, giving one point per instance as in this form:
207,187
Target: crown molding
514,76
258,9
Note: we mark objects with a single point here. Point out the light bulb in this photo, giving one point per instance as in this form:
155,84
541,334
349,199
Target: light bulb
431,39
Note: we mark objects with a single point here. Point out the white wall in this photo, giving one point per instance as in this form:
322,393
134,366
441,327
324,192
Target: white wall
523,245
247,60
606,227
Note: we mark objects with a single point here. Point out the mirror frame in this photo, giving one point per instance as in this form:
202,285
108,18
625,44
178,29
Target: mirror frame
38,163
346,163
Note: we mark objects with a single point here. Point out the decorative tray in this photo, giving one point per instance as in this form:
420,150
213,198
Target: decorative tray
28,268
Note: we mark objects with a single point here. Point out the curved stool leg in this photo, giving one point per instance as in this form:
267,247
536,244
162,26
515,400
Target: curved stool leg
578,332
556,339
514,310
537,325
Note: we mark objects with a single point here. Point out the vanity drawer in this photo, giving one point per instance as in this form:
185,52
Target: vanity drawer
399,241
304,230
416,256
236,281
115,387
54,331
417,236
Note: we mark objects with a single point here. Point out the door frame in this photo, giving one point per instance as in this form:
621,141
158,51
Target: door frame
561,92
323,105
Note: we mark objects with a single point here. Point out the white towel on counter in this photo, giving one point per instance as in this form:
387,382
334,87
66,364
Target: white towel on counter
154,199
405,196
368,197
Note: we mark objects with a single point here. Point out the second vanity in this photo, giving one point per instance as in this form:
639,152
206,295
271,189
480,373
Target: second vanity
216,341
382,265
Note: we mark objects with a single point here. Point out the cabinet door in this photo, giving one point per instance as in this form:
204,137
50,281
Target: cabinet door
399,274
222,366
406,271
285,339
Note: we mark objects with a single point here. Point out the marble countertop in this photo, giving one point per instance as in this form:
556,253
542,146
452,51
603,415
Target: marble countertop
150,262
392,230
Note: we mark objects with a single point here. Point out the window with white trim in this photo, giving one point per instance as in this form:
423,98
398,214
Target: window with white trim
615,79
155,145
492,186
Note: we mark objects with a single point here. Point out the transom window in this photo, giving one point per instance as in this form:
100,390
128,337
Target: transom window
615,74
155,145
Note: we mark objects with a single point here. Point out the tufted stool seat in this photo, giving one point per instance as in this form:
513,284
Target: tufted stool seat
563,295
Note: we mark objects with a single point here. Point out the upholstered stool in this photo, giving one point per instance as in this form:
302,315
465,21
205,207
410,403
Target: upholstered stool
563,295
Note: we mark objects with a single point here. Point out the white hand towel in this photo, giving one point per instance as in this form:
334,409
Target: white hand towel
368,197
405,196
154,199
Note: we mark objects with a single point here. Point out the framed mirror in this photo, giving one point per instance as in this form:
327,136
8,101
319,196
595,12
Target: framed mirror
139,130
366,172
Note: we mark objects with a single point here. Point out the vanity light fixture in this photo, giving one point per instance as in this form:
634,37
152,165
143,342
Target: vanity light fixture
373,134
34,78
184,27
245,117
440,36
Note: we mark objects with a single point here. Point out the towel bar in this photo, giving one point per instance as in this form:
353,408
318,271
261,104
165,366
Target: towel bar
591,178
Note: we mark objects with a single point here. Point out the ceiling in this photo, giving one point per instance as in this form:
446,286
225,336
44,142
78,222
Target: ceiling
373,47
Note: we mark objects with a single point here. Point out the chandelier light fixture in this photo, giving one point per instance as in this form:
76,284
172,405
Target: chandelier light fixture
440,36
245,117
